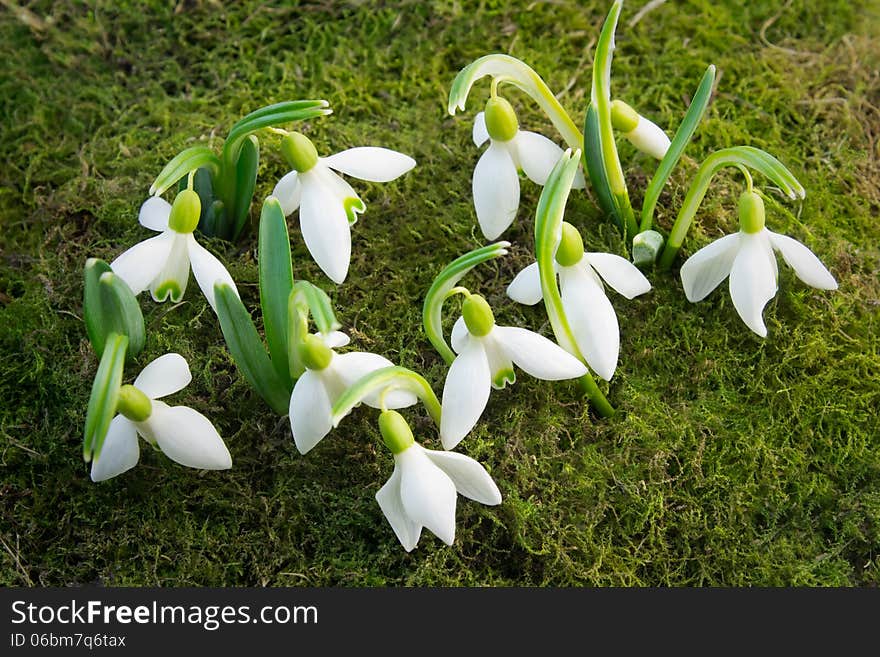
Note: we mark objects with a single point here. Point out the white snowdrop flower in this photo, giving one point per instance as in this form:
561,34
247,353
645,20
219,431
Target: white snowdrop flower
645,135
496,176
327,376
423,489
588,310
183,434
747,257
486,356
328,206
162,263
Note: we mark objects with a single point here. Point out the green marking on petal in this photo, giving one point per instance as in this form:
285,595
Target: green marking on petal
504,377
353,205
169,289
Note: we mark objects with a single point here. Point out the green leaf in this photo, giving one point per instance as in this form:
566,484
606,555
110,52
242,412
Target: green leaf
432,310
276,284
93,311
247,350
297,329
682,138
595,166
513,71
273,115
319,305
122,311
184,162
387,378
105,393
245,181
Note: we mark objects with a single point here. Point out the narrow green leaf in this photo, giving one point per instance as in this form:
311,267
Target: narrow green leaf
297,329
184,162
105,393
387,378
247,350
595,166
245,181
122,311
432,310
682,138
276,284
513,71
93,312
319,305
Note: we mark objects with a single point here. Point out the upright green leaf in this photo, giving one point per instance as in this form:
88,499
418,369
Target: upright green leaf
124,313
93,313
105,393
594,163
247,350
276,284
245,181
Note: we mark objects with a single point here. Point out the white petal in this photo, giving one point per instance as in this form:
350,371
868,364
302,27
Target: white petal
154,213
591,317
335,339
753,279
649,138
496,191
391,504
538,356
579,181
208,270
120,451
705,270
165,375
310,411
465,394
350,200
186,436
804,262
371,163
537,155
460,335
500,364
526,286
619,273
141,264
470,478
480,133
356,364
324,225
174,276
288,191
427,493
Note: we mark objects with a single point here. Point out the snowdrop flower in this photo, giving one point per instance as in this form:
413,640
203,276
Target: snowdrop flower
327,376
589,312
486,355
748,258
423,488
328,206
183,434
162,263
496,177
641,133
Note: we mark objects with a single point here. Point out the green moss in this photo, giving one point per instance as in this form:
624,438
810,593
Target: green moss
733,460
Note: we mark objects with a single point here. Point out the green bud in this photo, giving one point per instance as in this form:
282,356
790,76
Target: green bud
646,247
478,316
299,151
185,212
133,404
623,117
751,212
571,246
313,353
396,433
501,120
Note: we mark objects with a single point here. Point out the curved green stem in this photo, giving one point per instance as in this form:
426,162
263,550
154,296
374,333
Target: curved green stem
395,377
738,156
444,285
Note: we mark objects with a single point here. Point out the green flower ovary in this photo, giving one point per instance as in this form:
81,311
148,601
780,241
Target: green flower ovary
571,246
478,316
134,404
185,212
395,431
501,123
623,117
314,354
299,151
751,212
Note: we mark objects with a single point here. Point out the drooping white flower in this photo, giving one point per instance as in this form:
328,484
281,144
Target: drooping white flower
747,257
327,376
422,491
328,206
183,434
162,263
496,176
588,310
486,355
642,133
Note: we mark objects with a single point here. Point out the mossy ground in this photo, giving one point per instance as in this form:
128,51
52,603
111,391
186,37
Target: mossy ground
733,460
